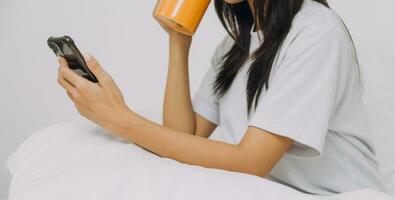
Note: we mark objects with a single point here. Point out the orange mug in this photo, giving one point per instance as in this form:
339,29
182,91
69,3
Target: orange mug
182,16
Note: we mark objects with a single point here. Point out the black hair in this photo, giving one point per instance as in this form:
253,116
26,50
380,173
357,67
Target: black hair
274,18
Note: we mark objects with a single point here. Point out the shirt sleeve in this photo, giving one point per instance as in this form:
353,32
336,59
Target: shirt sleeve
205,102
302,93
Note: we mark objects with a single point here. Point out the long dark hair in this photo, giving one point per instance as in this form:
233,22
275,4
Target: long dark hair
274,17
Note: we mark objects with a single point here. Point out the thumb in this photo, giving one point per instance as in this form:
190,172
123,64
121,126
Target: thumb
94,66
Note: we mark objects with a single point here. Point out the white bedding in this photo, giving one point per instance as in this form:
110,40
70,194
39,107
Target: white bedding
82,161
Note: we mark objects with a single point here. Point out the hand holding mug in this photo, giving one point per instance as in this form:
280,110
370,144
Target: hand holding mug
174,35
181,16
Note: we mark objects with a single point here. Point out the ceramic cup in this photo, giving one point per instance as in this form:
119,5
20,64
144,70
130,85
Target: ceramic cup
183,16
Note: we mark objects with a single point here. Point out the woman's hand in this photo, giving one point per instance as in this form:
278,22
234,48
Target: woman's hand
101,102
175,36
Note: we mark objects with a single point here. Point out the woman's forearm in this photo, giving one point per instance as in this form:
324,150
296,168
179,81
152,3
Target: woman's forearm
186,148
177,106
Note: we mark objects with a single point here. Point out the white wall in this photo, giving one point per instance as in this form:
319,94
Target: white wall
132,47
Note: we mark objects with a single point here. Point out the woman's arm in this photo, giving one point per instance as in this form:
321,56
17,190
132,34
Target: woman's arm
103,104
177,107
256,154
178,112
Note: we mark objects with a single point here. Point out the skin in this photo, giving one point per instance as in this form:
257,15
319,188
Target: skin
183,136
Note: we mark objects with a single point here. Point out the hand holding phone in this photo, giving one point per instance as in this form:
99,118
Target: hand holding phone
66,48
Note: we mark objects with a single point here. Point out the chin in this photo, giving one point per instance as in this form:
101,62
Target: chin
233,1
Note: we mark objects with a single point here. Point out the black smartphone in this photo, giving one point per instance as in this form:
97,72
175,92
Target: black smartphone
66,48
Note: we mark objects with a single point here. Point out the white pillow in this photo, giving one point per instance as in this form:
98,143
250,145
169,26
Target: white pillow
373,30
82,161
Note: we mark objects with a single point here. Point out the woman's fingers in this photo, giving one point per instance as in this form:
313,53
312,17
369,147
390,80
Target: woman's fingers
95,67
70,96
72,77
158,4
70,89
64,76
65,84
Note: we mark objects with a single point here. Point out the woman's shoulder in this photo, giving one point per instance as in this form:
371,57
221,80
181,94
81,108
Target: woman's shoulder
315,16
315,20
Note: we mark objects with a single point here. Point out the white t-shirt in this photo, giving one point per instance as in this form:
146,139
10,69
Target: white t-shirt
314,98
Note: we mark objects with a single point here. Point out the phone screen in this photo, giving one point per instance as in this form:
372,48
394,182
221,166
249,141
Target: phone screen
65,47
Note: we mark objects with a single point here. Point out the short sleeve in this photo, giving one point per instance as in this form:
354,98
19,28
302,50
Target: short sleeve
301,97
205,102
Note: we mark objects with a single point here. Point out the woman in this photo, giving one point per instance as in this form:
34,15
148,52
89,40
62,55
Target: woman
284,86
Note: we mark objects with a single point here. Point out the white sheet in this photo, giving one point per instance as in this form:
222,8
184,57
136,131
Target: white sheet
81,161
